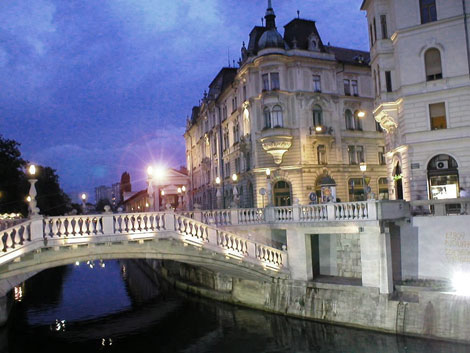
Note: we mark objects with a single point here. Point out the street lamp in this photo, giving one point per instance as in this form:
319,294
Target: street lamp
235,191
361,114
150,191
363,167
33,209
218,193
269,187
83,196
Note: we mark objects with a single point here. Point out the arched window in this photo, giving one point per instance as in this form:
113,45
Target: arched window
432,61
349,119
267,118
317,116
277,120
321,154
357,121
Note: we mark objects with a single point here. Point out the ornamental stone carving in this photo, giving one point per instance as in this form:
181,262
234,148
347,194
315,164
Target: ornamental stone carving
276,142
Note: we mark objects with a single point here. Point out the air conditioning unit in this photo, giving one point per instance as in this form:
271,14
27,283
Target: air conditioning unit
442,165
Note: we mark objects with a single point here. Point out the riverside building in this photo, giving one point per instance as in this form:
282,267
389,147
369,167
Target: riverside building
293,122
420,63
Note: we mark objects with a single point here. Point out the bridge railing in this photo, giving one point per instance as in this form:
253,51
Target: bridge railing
446,207
331,212
76,230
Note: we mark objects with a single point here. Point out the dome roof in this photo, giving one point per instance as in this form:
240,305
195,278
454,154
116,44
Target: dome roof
271,39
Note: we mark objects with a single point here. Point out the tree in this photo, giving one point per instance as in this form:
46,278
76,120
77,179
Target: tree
101,203
13,183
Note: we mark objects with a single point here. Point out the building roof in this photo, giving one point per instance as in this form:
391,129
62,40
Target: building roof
350,56
299,30
224,78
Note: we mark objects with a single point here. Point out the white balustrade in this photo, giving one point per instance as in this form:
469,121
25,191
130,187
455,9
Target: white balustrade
191,229
73,226
148,222
251,215
313,213
283,214
351,211
232,244
218,217
270,257
15,236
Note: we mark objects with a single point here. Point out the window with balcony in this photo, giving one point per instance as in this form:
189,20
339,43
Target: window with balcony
316,83
317,116
236,132
321,154
267,118
437,113
433,64
428,11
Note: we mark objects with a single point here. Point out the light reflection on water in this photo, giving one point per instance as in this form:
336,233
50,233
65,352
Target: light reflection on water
119,309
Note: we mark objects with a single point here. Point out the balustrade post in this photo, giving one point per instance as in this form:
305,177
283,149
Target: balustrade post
234,216
372,209
330,211
296,212
269,214
212,236
251,249
439,209
37,228
170,221
108,223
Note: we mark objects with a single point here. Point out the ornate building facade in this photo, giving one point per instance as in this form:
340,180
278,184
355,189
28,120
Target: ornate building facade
421,63
294,118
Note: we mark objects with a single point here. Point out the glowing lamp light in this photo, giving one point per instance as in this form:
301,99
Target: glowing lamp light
160,172
28,198
461,283
217,180
183,188
361,114
268,172
32,169
179,190
149,170
234,177
363,167
318,129
163,192
147,204
83,196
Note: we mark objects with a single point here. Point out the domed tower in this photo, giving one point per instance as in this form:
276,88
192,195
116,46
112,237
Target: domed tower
271,38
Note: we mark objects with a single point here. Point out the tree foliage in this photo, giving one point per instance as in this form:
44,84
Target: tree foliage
14,185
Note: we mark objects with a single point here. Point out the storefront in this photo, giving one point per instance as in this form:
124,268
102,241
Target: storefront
443,177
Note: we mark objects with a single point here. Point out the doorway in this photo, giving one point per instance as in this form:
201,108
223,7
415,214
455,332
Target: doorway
282,194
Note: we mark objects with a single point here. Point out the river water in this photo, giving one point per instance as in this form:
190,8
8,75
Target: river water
112,306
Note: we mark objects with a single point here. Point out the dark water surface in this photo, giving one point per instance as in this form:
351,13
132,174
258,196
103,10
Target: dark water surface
115,307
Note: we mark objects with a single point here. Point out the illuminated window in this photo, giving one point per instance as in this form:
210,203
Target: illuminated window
437,113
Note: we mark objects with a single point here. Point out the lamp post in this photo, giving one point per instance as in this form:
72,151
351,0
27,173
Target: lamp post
184,203
363,167
33,209
180,198
83,197
218,194
150,190
269,190
235,191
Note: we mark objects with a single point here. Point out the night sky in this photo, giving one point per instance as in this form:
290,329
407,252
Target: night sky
94,88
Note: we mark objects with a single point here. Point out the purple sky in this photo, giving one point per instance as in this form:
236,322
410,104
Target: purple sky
94,88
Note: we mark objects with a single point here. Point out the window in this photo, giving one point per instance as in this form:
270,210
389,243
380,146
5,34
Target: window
378,127
356,189
316,83
432,61
355,89
226,140
388,81
371,36
383,26
265,79
237,165
267,118
224,110
236,132
352,155
360,154
379,82
349,119
275,81
227,169
244,93
214,144
347,88
375,30
277,119
317,116
247,161
357,121
375,84
321,154
428,11
437,113
383,189
381,155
